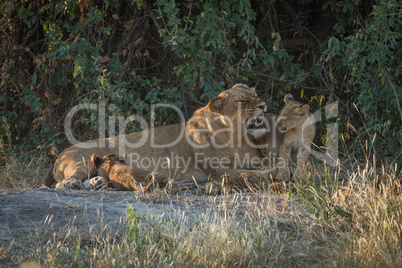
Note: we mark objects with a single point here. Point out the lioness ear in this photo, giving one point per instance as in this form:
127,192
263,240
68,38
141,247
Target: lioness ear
304,109
215,105
288,98
94,161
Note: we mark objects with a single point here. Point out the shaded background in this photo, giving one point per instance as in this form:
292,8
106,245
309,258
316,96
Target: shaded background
57,54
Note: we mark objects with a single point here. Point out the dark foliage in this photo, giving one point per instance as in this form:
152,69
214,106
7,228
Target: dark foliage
57,54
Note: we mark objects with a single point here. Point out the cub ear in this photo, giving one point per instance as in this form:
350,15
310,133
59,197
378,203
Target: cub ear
112,157
216,104
252,89
125,160
94,161
288,98
304,109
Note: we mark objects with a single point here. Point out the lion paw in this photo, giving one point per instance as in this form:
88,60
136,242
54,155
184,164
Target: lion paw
216,188
283,175
95,183
213,188
162,180
72,184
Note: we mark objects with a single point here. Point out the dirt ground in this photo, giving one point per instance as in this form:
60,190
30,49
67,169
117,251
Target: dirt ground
23,212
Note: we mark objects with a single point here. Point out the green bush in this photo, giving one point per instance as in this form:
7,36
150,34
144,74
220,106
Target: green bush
371,58
59,54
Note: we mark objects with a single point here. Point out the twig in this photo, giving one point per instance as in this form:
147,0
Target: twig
127,38
346,115
184,100
330,91
275,78
291,11
35,43
298,42
249,73
159,28
280,80
197,101
327,89
304,29
50,103
9,56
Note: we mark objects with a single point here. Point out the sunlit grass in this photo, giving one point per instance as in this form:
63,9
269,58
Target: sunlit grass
16,174
325,222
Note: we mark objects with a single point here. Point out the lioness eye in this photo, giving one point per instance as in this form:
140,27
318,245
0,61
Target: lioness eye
302,114
240,101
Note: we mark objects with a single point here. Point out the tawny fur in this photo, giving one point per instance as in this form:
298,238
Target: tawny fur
289,134
122,177
237,105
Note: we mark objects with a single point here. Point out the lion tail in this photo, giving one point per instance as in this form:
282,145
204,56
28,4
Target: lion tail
48,179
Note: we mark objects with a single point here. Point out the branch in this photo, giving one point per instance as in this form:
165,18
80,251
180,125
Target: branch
330,91
298,42
159,28
290,10
35,43
127,39
346,115
249,74
184,100
327,89
9,56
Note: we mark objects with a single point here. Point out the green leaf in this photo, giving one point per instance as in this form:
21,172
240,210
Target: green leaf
34,79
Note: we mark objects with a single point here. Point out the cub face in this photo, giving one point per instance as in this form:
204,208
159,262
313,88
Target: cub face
294,114
101,166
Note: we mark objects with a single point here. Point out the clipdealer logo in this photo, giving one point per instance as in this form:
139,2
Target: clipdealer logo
329,156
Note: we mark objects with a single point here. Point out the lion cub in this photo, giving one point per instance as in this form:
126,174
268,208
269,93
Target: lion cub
93,182
289,133
122,177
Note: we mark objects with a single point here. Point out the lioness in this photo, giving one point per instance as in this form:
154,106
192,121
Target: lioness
123,177
218,139
290,133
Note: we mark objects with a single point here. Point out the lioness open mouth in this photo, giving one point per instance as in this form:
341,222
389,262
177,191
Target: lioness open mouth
254,123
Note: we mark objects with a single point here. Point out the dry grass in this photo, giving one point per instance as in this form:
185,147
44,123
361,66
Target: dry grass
22,170
328,223
222,234
373,232
15,174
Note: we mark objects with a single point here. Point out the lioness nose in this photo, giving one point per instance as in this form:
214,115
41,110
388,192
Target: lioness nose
263,107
